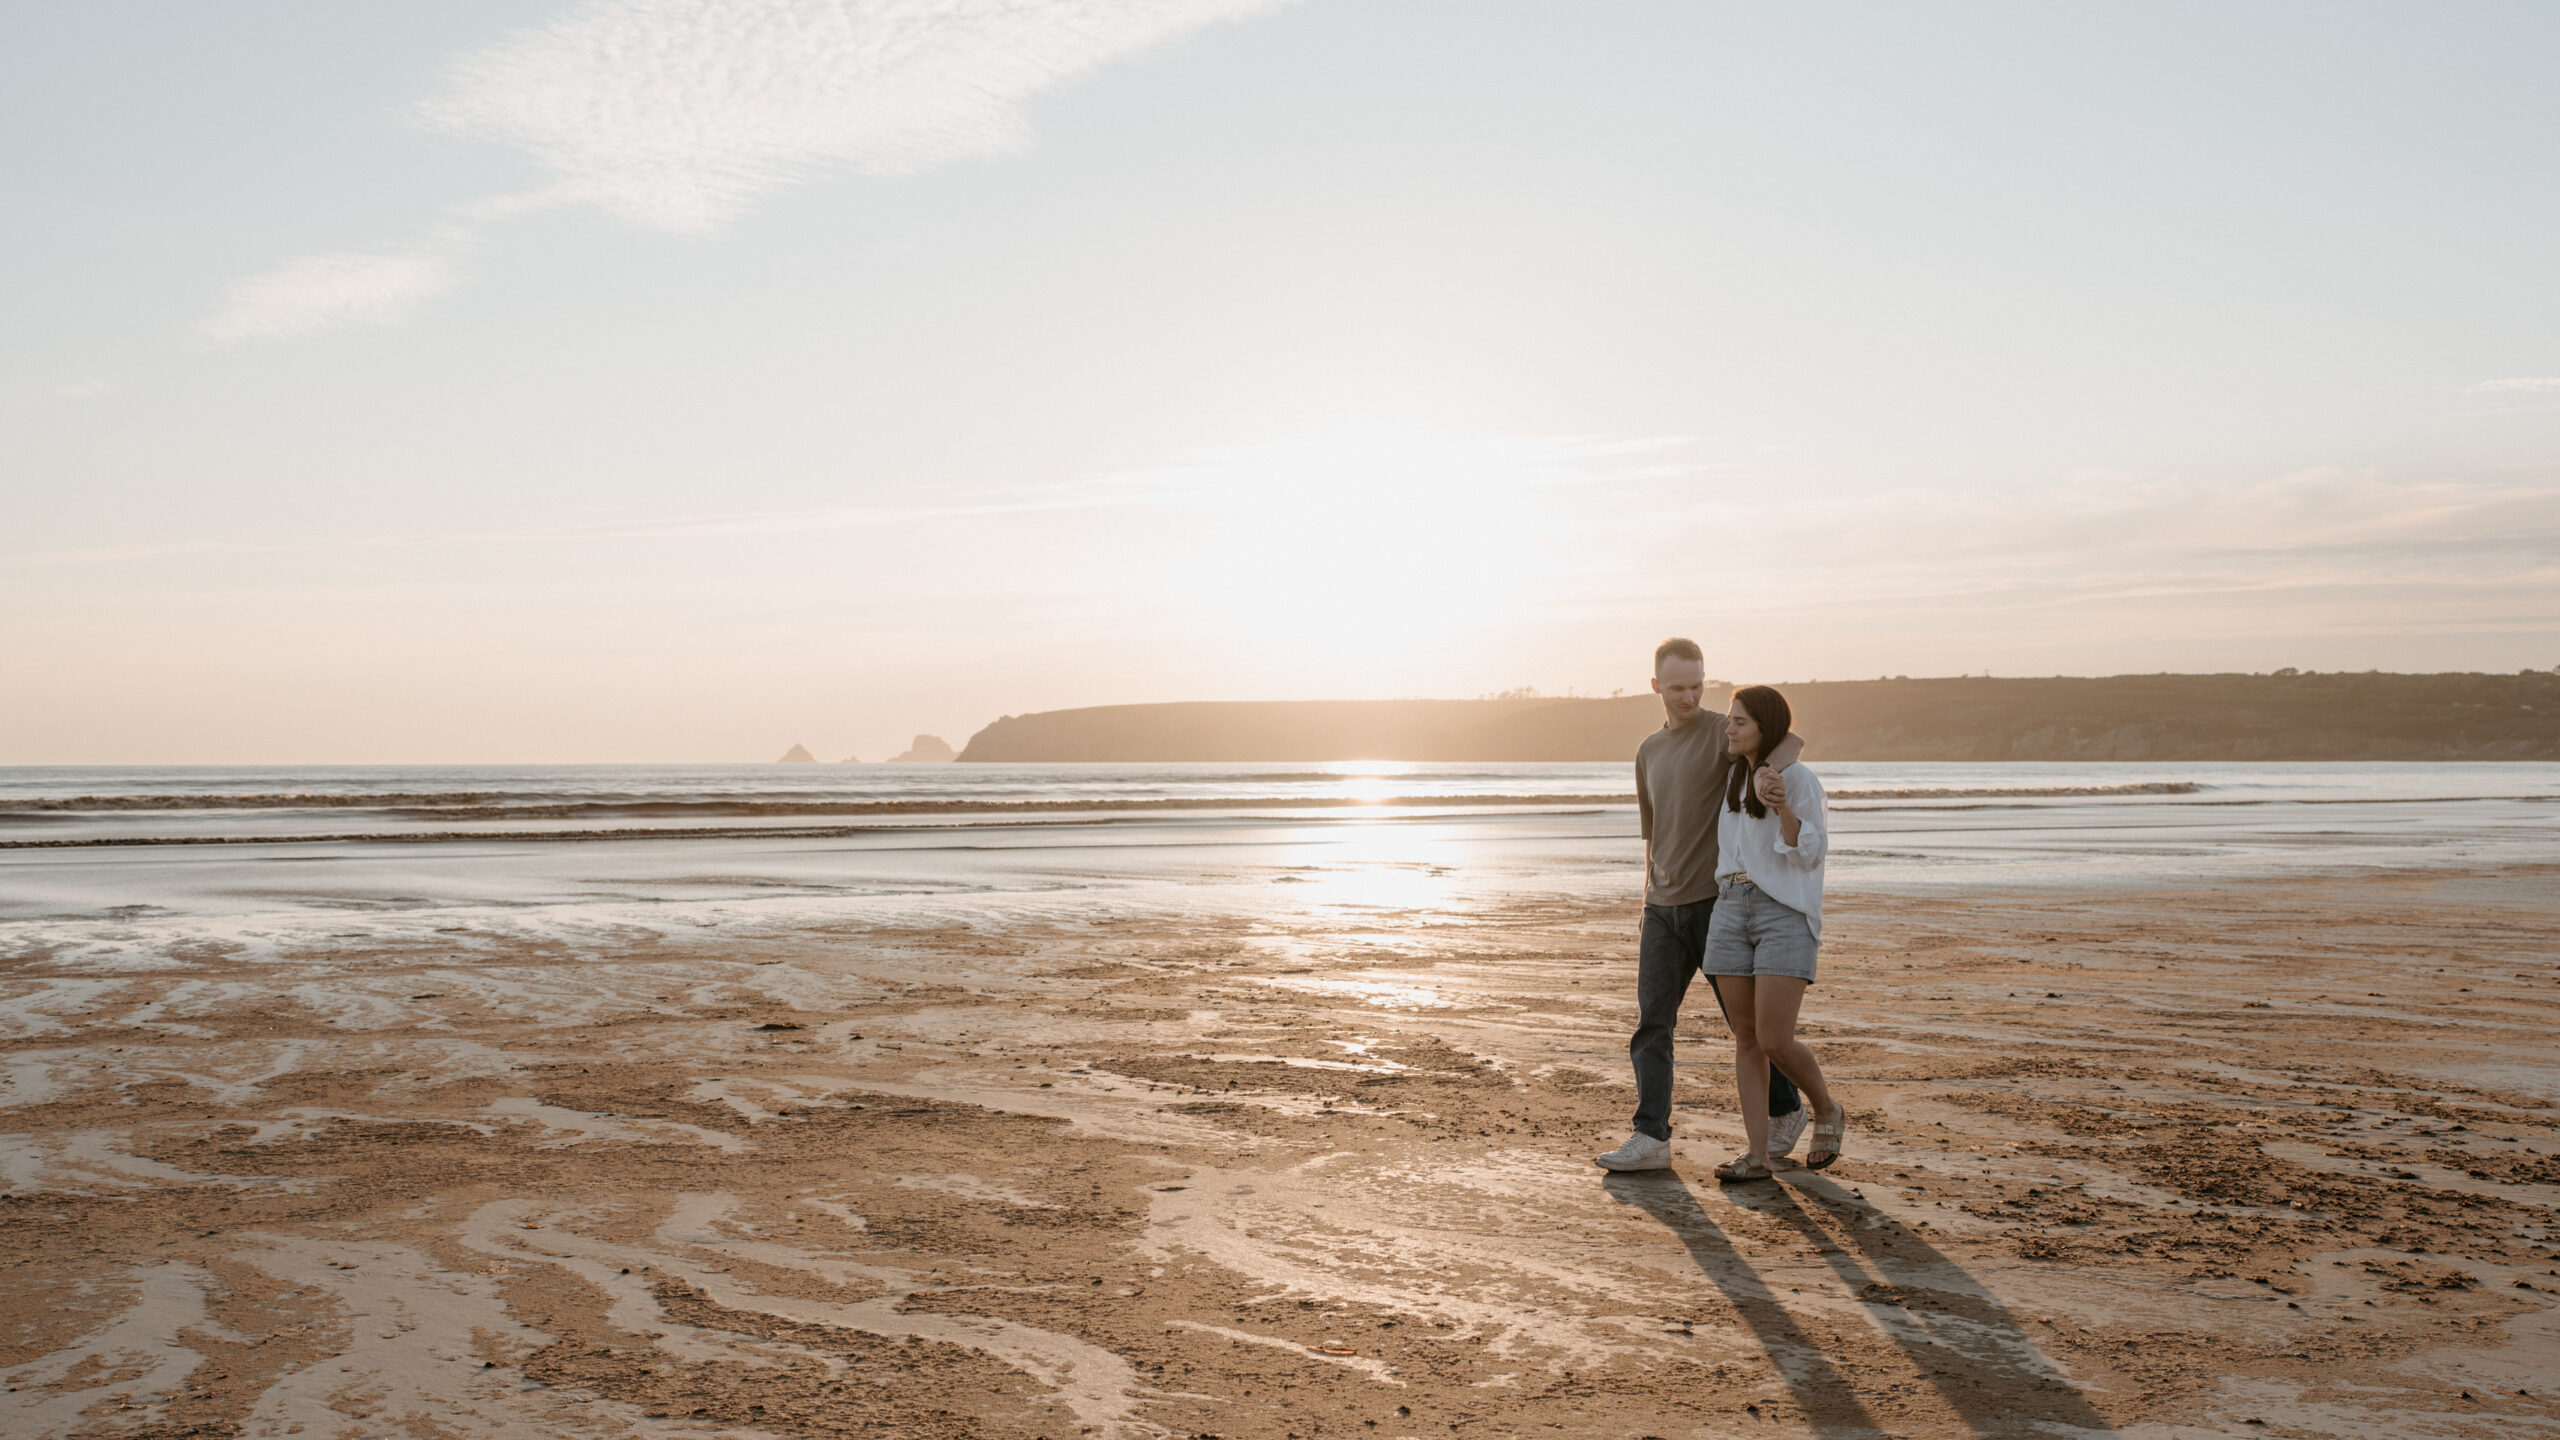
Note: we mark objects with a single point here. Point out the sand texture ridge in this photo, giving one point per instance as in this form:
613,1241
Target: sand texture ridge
2278,1159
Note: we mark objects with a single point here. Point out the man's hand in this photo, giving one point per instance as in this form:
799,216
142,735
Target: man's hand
1773,789
1773,793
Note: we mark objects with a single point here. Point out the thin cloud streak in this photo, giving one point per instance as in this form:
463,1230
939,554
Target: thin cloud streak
2335,551
1073,495
111,554
786,522
2521,382
324,292
2296,513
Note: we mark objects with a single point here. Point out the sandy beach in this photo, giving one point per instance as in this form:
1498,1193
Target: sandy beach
2277,1158
948,719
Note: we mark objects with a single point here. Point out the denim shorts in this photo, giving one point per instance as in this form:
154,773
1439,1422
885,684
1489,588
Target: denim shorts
1752,934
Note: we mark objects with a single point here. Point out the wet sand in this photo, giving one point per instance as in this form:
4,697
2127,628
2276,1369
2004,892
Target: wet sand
2278,1159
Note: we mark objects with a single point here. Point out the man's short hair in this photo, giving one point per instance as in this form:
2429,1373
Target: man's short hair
1679,648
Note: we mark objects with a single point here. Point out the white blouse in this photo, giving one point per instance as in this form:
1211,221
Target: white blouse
1788,874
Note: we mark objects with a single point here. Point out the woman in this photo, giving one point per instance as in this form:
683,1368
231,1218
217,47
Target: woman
1767,926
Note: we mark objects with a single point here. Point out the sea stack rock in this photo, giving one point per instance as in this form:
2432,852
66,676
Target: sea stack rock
798,755
928,747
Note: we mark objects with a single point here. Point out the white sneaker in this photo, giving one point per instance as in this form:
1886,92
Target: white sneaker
1785,1130
1641,1152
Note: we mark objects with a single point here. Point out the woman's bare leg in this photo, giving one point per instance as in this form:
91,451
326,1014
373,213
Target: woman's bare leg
1750,1067
1775,1001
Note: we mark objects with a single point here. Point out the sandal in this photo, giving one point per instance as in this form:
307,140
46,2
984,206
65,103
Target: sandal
1739,1168
1828,1136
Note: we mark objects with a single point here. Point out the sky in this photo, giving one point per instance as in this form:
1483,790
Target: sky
639,380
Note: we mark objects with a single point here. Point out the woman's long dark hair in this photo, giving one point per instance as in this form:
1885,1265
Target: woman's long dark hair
1768,710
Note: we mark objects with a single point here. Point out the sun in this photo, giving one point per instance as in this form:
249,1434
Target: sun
1363,553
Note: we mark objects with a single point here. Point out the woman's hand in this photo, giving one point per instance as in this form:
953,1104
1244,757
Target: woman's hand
1773,790
1773,793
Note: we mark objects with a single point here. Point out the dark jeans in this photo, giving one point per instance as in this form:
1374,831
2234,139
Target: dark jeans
1674,942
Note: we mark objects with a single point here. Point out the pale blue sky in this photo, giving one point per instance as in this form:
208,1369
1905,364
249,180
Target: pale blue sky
871,368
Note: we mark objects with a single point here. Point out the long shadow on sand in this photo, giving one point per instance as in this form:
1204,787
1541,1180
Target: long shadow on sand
1955,1335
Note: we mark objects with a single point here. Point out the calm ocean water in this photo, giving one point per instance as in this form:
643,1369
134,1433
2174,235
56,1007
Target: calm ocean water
149,863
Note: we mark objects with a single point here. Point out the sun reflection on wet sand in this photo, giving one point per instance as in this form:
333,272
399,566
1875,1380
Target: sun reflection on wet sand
1392,864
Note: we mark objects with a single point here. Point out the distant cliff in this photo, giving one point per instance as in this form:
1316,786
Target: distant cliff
2119,717
1302,730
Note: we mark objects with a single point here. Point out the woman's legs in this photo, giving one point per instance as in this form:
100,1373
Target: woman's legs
1752,933
1783,1099
1750,1068
1775,1001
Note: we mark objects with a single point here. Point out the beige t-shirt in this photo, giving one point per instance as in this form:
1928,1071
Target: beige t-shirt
1680,779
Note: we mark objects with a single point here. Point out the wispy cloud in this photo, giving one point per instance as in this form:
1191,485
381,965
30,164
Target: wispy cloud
323,292
2364,545
1087,494
114,554
677,114
39,393
674,114
2521,382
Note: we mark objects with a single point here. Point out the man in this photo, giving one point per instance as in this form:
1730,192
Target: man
1680,782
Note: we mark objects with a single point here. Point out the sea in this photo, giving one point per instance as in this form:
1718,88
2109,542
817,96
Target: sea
142,866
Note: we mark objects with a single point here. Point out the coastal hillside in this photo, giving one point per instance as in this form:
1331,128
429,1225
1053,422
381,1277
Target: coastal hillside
2119,717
